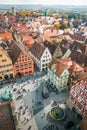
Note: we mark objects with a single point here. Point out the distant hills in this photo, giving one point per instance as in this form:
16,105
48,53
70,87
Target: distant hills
44,7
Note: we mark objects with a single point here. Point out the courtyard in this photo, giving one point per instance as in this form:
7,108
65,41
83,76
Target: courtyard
33,108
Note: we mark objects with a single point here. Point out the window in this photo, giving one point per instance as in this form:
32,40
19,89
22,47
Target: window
30,64
46,65
8,64
79,106
2,66
4,71
21,65
30,72
43,65
10,70
25,64
72,98
17,69
17,65
25,59
22,60
43,60
0,77
0,55
4,60
11,75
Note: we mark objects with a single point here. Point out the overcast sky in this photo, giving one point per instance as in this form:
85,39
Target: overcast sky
58,2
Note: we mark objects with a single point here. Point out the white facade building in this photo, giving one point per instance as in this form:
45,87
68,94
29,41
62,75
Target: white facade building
41,56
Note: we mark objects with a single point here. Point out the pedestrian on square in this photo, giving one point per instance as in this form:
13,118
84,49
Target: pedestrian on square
44,114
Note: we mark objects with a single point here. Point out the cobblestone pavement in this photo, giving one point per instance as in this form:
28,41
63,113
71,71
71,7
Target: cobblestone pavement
33,109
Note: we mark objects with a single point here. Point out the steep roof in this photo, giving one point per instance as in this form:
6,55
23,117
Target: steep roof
79,58
58,52
14,52
81,76
58,66
72,66
77,37
63,49
37,50
78,47
6,118
50,46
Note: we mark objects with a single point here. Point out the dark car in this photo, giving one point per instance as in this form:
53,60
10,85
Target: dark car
45,95
69,125
49,88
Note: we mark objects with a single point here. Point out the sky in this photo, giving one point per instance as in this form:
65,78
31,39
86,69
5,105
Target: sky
45,2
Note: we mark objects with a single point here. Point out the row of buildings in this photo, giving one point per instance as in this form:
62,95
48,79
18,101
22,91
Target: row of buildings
25,44
14,61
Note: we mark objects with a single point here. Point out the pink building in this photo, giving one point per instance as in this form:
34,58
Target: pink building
77,99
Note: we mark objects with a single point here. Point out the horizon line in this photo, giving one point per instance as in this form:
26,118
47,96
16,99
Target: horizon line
43,4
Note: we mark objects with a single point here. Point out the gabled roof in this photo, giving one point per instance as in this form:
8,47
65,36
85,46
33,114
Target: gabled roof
63,49
50,46
37,50
78,47
79,58
65,43
81,76
58,66
72,66
14,52
6,118
58,52
77,37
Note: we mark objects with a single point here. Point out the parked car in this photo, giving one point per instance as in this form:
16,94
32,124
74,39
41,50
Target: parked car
69,125
49,88
45,95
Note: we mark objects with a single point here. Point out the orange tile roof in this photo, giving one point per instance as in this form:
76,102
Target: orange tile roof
58,66
27,38
72,66
7,35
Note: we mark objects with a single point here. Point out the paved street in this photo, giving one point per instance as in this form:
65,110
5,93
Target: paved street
32,108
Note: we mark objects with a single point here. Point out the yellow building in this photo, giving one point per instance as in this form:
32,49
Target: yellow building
6,66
